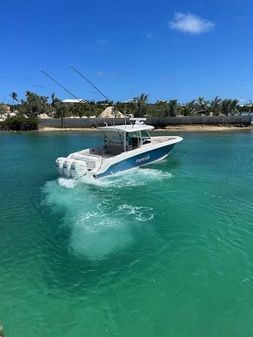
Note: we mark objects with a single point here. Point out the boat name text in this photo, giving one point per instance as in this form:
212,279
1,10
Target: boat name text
140,160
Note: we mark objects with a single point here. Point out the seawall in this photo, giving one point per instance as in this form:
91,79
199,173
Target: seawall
158,122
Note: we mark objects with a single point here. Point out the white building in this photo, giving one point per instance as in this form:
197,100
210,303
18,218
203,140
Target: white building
73,100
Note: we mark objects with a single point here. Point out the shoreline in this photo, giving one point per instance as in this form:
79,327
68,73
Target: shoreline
204,128
184,128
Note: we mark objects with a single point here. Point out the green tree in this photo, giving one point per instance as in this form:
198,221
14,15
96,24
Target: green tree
81,109
34,104
14,97
229,106
61,111
54,101
20,123
215,106
225,106
140,103
160,108
173,107
250,106
234,106
189,108
201,105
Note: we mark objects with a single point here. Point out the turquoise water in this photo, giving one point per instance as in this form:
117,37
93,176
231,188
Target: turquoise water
161,251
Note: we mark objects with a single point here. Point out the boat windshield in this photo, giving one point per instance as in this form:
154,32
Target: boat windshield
145,136
137,139
114,137
113,142
118,142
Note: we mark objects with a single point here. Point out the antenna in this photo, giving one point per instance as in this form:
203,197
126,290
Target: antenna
52,79
86,79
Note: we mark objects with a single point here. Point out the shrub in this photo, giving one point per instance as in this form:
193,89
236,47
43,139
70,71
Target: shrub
20,123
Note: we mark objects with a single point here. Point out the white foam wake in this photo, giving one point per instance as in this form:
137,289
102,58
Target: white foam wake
134,177
99,224
103,215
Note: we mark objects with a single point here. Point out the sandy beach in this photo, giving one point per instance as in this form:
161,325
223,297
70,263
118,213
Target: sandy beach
205,128
50,129
184,128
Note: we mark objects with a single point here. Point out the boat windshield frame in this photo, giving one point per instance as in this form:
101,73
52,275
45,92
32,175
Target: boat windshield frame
127,140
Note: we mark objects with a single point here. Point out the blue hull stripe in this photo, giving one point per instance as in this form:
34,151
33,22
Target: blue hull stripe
138,160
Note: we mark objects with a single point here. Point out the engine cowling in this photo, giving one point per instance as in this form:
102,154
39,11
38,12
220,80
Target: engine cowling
70,168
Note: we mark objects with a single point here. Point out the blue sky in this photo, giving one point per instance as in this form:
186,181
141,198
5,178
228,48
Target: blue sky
168,49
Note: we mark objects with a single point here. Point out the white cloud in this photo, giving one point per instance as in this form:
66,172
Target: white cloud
189,23
100,73
106,74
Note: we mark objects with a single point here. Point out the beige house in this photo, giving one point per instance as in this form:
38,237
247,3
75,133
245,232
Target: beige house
5,112
111,112
5,108
44,116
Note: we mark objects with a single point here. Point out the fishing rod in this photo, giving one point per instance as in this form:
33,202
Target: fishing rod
86,79
53,80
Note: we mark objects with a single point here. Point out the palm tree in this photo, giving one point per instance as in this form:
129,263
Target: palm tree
201,104
250,107
234,106
225,106
140,103
216,106
60,111
229,106
14,97
160,108
54,101
189,108
173,107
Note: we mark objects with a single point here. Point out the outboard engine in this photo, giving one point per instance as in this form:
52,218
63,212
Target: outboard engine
78,169
66,168
59,165
78,164
70,168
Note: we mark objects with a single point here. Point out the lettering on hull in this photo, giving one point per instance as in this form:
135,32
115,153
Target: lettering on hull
141,160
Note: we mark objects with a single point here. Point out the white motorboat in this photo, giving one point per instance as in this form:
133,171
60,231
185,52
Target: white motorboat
125,147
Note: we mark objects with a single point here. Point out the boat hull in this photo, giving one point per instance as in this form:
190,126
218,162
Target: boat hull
88,162
138,160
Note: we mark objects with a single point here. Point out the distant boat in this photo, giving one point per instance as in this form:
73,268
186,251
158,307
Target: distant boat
124,147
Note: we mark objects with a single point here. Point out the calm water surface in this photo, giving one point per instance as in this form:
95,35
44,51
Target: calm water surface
161,251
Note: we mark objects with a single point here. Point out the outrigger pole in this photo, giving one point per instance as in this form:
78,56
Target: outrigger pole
93,85
86,79
53,80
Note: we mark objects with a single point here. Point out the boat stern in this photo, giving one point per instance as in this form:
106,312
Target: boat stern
78,164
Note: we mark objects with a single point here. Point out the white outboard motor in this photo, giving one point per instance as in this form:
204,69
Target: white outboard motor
70,168
78,169
59,165
66,168
78,164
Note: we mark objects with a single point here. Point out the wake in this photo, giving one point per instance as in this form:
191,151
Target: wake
101,217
